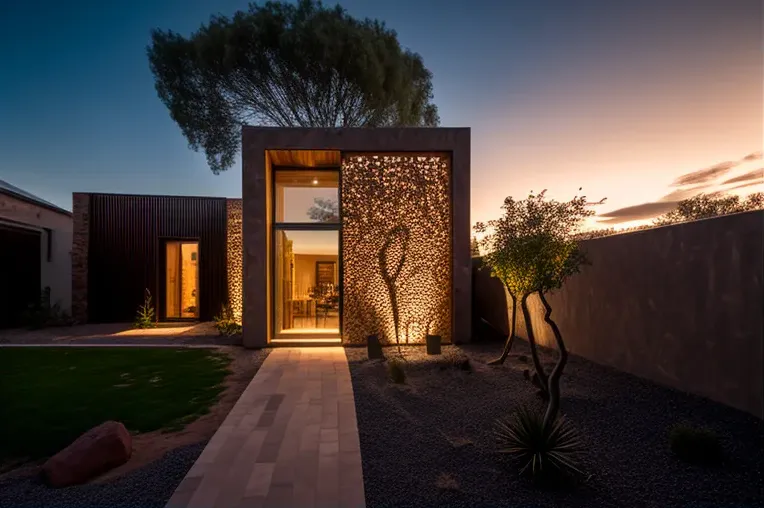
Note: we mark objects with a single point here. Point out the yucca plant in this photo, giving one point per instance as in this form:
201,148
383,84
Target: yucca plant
145,316
544,452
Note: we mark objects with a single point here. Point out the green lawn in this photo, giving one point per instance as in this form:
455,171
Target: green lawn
49,396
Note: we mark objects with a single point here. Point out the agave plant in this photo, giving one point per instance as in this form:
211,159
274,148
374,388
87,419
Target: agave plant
541,450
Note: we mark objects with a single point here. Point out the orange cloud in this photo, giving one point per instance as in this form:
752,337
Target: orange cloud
755,156
680,194
701,180
637,212
756,174
705,175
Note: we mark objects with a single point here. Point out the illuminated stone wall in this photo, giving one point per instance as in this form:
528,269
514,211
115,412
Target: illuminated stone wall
396,241
234,255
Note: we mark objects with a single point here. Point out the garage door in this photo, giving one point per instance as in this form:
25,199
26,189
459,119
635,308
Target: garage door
19,273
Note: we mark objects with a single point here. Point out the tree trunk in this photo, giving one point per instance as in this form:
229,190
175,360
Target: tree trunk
511,337
553,384
542,378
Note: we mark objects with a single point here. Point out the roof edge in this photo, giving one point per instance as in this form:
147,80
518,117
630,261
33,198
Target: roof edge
36,202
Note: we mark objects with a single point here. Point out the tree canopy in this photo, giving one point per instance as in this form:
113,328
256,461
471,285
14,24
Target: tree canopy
324,210
532,246
280,64
704,206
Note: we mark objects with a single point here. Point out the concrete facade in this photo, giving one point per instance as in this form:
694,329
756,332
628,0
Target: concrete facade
55,226
256,194
680,305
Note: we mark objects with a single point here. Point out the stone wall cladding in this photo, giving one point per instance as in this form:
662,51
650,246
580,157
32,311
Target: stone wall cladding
80,247
234,255
396,220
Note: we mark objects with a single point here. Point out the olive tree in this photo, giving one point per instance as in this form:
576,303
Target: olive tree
532,249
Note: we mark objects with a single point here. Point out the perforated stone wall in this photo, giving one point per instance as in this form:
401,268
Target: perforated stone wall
234,255
396,241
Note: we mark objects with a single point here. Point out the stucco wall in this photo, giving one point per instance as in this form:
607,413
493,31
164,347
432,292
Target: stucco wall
55,273
680,305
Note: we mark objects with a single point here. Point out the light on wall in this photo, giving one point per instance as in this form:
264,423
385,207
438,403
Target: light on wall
396,240
234,256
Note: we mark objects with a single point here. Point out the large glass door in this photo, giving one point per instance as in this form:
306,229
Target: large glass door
182,280
307,283
306,246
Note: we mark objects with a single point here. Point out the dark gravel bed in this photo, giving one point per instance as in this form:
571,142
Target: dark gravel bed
148,487
430,443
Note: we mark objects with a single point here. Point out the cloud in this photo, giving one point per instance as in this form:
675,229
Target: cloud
700,181
749,184
680,194
704,175
637,212
756,174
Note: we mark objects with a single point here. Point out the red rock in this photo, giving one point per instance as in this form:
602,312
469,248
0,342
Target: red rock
93,453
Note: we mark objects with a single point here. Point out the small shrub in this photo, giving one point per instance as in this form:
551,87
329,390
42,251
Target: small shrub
226,323
695,445
549,455
145,317
456,361
395,370
41,313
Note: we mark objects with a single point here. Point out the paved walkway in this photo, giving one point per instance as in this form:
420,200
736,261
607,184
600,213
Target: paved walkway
291,440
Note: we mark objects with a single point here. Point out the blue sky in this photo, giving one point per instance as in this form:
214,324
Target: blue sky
621,98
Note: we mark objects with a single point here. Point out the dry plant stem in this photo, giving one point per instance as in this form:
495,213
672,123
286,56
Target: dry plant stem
511,338
542,378
553,384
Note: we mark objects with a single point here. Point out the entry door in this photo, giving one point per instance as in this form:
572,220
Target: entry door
19,273
182,293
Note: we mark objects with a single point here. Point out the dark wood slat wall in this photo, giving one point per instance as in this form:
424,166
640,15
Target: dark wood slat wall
126,252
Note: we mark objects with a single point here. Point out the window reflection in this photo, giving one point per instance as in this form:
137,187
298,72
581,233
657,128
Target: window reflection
307,195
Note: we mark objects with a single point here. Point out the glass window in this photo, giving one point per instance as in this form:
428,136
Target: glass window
307,283
307,195
182,280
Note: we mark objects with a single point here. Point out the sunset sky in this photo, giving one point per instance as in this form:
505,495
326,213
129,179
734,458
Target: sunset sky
642,102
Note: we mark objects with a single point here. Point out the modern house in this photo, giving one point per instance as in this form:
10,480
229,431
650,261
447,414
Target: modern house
35,247
340,233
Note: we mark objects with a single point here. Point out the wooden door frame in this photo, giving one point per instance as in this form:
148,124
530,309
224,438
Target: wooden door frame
180,241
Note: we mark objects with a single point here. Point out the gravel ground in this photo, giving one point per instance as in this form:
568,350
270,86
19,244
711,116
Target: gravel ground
148,487
429,442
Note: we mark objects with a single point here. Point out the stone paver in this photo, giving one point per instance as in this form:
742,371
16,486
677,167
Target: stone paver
291,440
